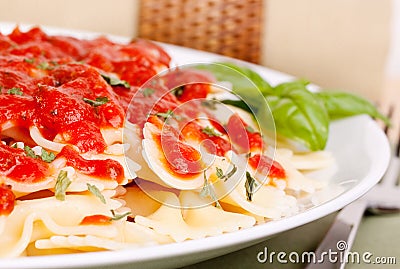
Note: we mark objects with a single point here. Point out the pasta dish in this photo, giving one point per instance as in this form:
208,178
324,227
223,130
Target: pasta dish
103,149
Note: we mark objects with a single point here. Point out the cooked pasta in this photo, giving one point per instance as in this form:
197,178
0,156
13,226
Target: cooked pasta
98,153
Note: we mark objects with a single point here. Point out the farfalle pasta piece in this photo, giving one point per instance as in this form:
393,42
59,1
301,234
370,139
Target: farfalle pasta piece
192,223
21,226
130,235
267,201
135,152
82,243
295,180
155,156
315,160
79,179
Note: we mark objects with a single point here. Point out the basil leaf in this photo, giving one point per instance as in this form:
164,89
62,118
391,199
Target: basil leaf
250,185
210,104
62,185
210,131
220,173
15,91
117,217
96,192
208,190
29,152
47,157
299,115
249,87
98,102
29,60
341,104
167,115
113,81
230,73
148,92
44,66
237,103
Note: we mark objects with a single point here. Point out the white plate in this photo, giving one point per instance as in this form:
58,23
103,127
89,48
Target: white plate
358,145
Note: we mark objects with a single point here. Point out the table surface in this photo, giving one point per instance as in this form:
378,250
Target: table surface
379,235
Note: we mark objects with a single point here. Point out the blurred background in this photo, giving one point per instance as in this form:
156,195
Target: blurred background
351,45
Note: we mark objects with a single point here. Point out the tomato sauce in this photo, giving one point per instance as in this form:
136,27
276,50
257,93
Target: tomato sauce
96,220
7,200
104,169
214,144
53,82
15,164
181,159
16,109
244,139
59,85
267,166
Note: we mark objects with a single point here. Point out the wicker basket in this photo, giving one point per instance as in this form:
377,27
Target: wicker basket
227,27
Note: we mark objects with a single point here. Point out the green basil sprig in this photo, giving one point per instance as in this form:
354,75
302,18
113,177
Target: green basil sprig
298,113
342,104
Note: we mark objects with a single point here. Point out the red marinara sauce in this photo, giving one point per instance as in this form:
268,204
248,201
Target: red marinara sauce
16,165
59,79
240,135
267,166
181,159
213,143
55,83
96,220
7,200
105,169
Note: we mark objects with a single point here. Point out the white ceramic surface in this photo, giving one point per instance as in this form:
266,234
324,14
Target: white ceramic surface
358,145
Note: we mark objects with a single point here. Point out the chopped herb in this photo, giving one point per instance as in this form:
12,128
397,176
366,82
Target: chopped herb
208,190
250,129
210,131
220,173
62,185
210,104
225,177
14,145
15,91
250,185
31,61
47,156
147,92
167,115
178,91
96,192
44,66
116,217
98,102
29,152
113,81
